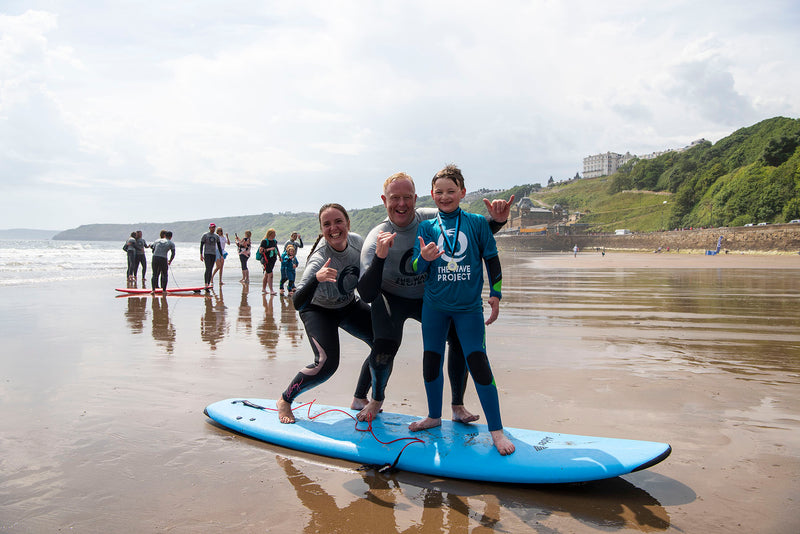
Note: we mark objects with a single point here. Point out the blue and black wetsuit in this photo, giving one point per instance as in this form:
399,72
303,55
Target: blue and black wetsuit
453,296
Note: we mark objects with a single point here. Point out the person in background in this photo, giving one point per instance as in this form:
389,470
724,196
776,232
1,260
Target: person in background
288,269
219,262
209,246
161,249
141,259
130,250
243,245
296,240
269,255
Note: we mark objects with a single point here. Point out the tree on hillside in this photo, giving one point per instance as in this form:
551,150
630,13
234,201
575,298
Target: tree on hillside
779,150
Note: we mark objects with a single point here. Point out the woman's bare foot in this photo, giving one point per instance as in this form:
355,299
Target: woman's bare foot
462,415
502,443
424,424
370,411
358,404
285,414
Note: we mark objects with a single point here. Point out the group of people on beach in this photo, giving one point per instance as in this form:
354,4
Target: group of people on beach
163,254
213,254
424,264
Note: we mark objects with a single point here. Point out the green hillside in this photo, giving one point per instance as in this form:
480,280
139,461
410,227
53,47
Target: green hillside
751,176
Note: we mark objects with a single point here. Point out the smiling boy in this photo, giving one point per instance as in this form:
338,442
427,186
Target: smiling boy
452,249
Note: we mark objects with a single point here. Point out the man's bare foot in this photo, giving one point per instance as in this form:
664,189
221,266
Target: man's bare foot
502,443
424,424
462,415
285,414
370,411
358,404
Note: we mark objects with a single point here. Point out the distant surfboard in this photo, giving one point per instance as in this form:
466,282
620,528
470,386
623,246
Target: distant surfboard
454,450
144,291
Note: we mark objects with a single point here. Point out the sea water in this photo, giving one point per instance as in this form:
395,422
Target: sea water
36,261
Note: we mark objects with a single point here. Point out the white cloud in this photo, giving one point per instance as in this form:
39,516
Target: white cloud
275,106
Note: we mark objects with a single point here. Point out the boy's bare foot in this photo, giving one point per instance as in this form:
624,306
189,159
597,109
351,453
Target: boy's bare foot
358,404
370,411
502,443
285,414
424,424
462,415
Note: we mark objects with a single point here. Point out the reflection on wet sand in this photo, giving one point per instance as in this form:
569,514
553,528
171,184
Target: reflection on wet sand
290,327
136,313
213,322
244,322
163,329
405,502
267,331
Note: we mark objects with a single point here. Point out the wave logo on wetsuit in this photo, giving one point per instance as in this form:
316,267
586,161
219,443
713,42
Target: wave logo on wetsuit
347,280
460,248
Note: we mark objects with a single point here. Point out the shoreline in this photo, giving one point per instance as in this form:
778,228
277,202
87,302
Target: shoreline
664,260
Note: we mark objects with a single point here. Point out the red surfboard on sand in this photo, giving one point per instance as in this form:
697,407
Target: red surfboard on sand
144,291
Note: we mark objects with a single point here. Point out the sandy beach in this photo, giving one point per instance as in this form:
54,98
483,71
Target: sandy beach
102,426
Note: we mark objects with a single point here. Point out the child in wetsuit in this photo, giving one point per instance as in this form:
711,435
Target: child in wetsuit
451,249
288,268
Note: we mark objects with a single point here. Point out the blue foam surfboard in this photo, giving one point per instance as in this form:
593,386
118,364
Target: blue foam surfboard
454,450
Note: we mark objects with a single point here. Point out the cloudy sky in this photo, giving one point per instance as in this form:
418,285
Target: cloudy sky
145,111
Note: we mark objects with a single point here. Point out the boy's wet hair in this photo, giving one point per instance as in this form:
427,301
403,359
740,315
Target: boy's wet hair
451,172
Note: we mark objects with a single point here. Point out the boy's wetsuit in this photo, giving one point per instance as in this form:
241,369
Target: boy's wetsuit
453,297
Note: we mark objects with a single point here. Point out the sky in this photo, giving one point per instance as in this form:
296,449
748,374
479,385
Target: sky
161,111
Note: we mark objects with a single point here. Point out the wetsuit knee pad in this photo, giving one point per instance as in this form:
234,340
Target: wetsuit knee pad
383,352
479,367
431,365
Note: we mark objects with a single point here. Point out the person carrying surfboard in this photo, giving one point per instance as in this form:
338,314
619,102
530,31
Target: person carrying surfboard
326,301
395,293
452,249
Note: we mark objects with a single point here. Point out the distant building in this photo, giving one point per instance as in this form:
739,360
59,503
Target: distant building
603,164
608,163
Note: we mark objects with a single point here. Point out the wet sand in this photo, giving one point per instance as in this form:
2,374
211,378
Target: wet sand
102,426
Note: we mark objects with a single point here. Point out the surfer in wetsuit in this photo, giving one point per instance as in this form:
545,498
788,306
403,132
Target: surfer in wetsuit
209,247
161,248
296,242
451,249
141,259
395,292
130,250
326,301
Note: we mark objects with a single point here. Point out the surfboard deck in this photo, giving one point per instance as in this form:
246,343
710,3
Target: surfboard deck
453,450
144,291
